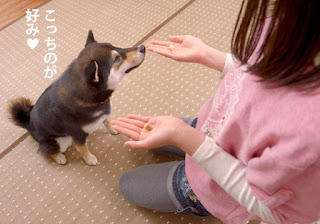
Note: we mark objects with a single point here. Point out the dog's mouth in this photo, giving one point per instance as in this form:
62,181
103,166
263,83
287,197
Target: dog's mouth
139,58
130,69
134,67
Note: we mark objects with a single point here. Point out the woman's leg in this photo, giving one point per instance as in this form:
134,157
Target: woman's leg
189,203
161,187
150,186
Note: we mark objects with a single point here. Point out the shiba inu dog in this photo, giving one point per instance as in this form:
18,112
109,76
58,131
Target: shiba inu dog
77,103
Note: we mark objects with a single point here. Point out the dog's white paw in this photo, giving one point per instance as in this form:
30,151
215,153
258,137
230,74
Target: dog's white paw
91,160
112,131
60,158
108,125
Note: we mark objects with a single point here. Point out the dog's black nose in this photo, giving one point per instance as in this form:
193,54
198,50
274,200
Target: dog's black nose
142,49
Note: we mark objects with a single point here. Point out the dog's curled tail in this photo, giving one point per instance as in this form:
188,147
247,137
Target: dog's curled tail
19,111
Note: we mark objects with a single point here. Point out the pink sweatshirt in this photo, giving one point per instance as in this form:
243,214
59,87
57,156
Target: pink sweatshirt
263,148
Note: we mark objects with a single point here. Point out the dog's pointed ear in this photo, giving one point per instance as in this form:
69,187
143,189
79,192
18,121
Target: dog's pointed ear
92,72
90,38
96,73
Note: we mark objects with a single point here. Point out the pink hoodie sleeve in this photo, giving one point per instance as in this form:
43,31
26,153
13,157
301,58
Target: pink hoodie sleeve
286,178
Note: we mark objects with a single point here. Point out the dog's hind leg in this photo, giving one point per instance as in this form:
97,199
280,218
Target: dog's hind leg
85,153
108,125
52,148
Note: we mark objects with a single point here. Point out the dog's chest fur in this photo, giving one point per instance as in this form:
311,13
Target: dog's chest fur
100,117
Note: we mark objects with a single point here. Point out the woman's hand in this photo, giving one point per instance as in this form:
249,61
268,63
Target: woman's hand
189,49
185,48
153,132
161,131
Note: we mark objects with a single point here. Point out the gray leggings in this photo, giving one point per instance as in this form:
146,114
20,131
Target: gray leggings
160,187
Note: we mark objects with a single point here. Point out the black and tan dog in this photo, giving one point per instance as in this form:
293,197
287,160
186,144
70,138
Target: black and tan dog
77,103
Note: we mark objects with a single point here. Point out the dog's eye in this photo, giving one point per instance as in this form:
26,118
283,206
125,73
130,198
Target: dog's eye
117,59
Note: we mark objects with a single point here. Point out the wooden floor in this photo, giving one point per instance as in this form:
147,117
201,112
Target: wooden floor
11,10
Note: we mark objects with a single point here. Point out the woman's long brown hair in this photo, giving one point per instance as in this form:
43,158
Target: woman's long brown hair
292,41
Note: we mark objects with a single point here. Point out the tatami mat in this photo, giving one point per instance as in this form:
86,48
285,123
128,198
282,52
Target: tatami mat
45,192
22,70
34,189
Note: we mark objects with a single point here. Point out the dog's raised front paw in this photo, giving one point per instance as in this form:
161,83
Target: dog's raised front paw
112,131
108,125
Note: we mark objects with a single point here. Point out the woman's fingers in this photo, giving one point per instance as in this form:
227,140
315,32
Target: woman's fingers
128,126
139,117
137,144
163,52
131,126
177,39
127,132
173,39
135,122
151,46
160,43
127,129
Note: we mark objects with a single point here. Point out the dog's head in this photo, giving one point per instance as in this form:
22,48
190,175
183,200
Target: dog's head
104,64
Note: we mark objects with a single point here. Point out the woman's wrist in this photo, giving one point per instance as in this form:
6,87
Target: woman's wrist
187,138
213,58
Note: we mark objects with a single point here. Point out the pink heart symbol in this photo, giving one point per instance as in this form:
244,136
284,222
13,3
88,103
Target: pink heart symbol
33,43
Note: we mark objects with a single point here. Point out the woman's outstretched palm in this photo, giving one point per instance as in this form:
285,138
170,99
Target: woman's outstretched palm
185,48
159,134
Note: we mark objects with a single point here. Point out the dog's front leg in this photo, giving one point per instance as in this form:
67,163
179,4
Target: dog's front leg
59,158
108,125
85,153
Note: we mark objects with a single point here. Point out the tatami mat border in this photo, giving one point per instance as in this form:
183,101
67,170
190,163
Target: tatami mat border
25,135
13,145
23,16
165,22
